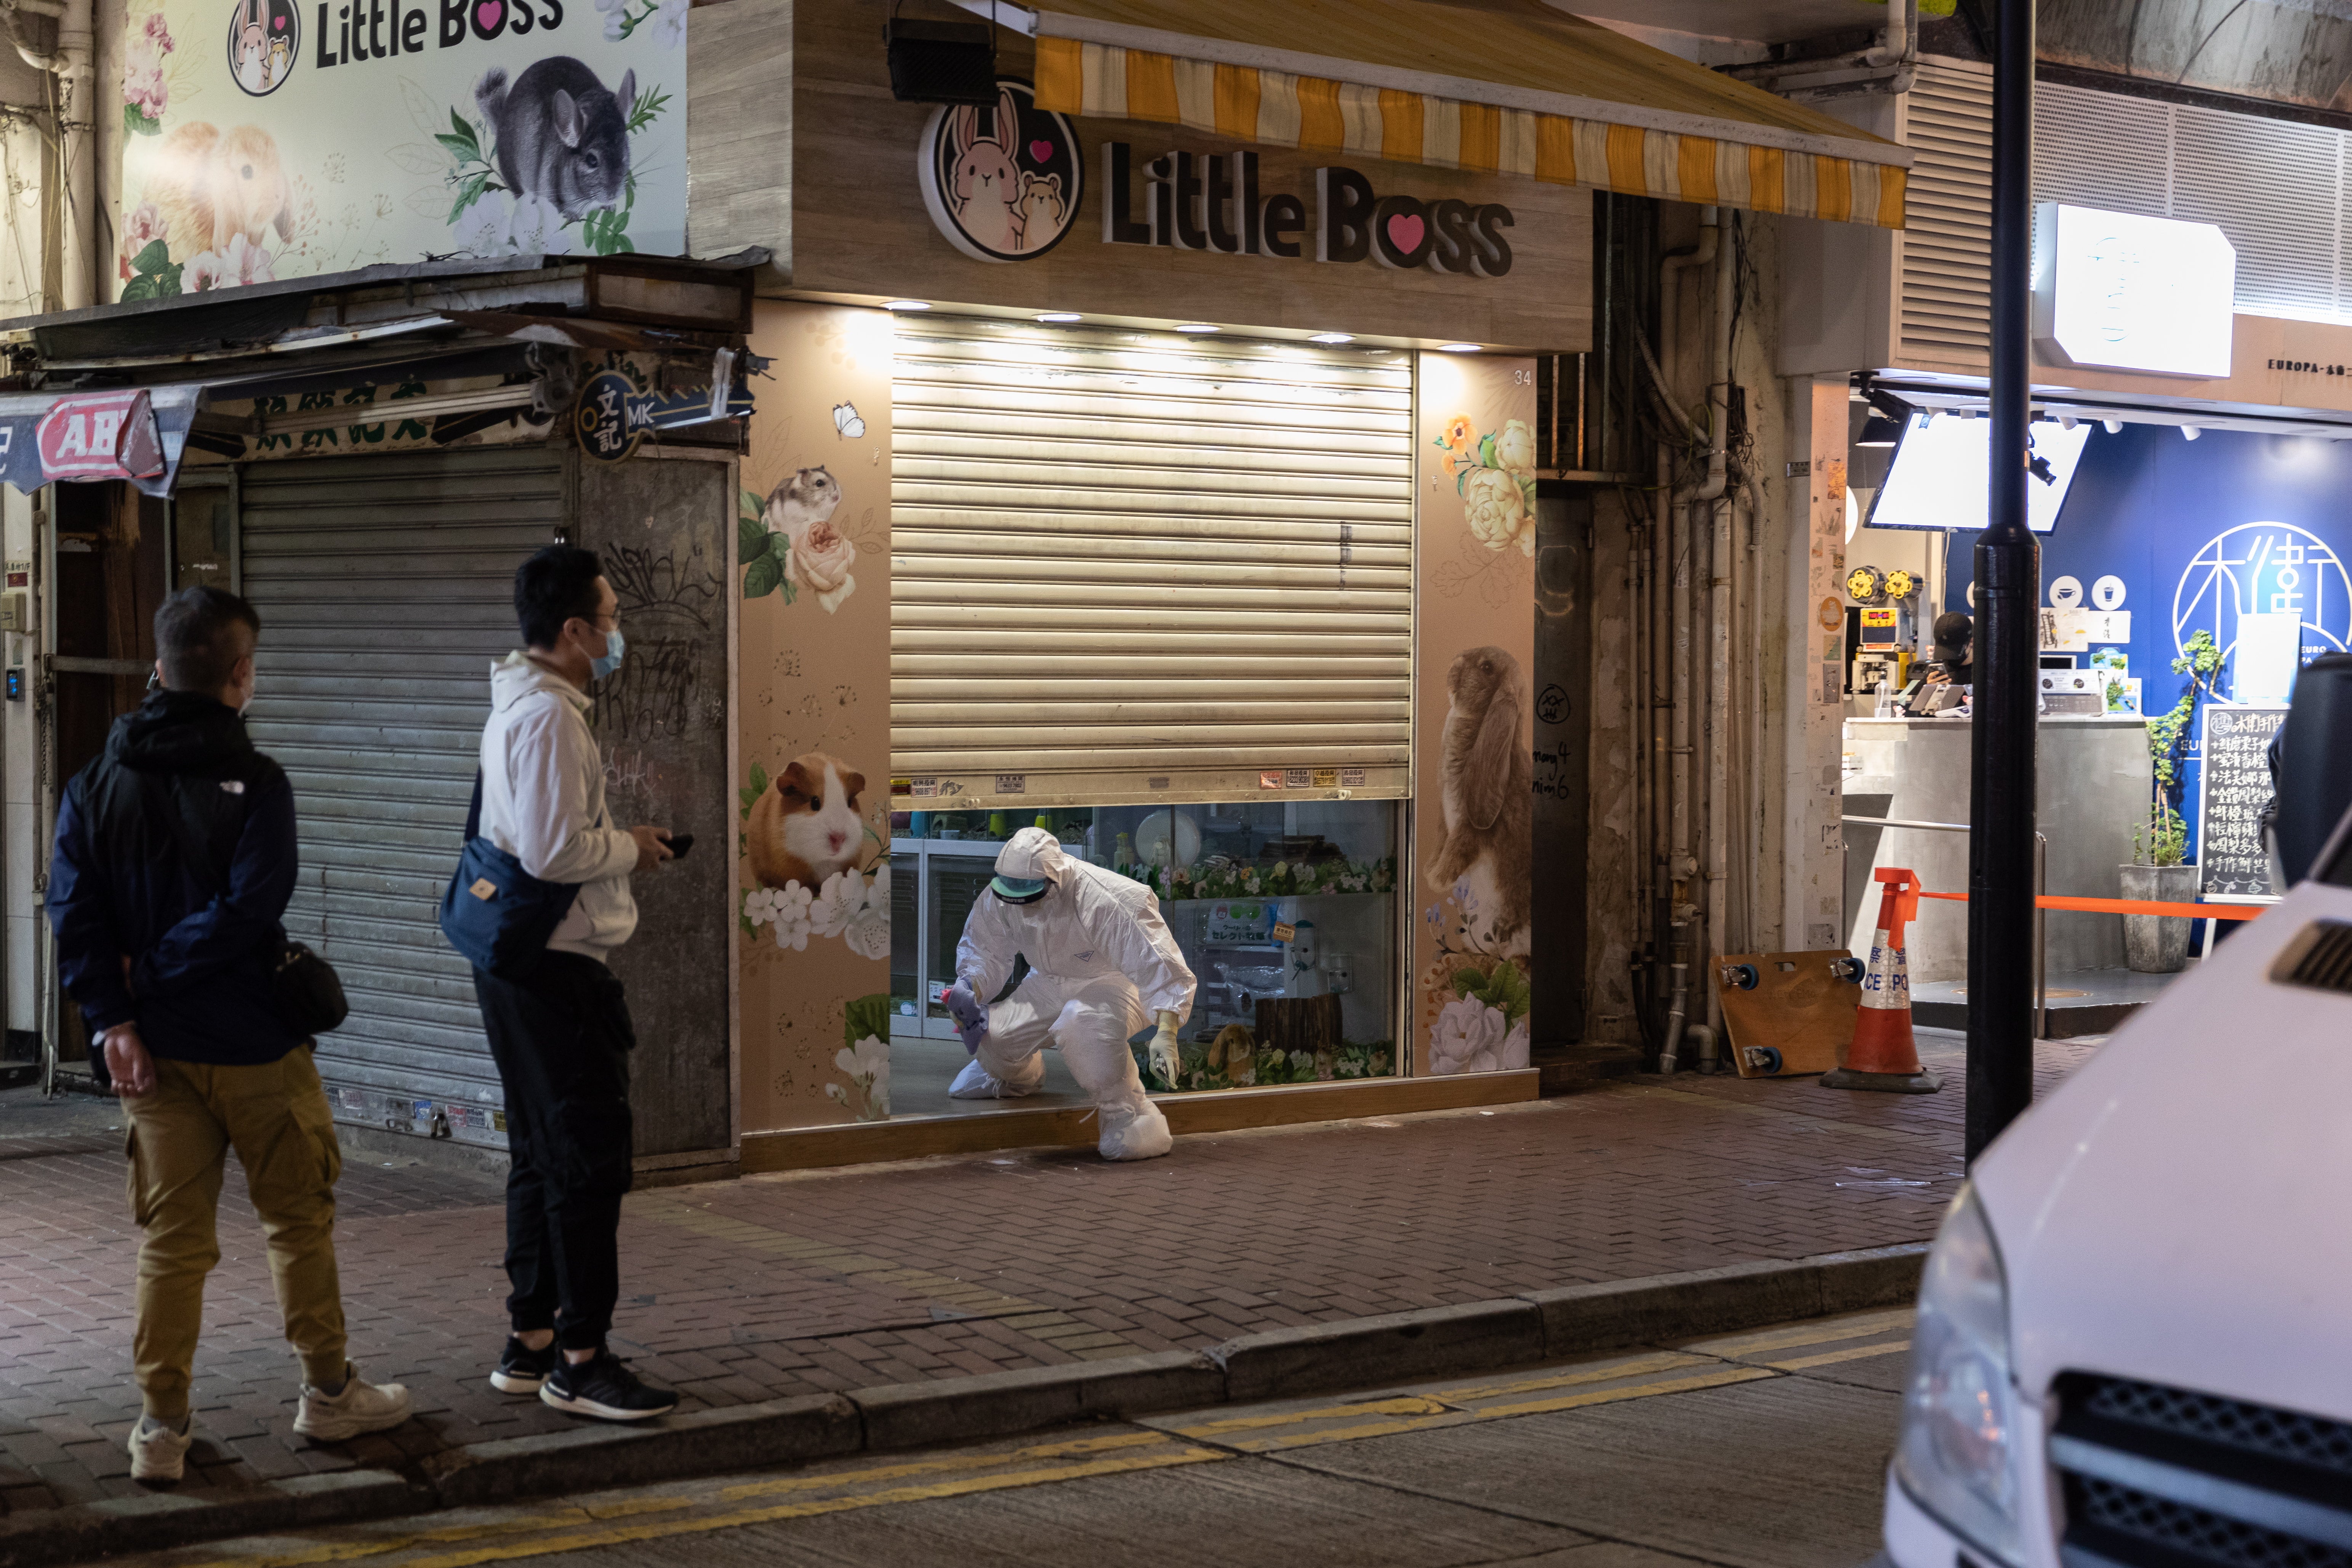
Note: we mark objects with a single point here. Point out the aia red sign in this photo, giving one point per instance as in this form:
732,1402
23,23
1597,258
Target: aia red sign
100,436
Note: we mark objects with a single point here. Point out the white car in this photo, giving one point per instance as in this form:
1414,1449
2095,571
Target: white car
2134,1344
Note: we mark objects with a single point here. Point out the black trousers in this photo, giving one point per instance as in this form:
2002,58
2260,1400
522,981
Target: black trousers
561,1038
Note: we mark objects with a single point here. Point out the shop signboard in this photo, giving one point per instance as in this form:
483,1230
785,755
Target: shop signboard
2123,291
2234,742
136,433
269,139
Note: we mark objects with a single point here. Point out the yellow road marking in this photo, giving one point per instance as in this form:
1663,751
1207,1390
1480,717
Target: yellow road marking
1074,1449
620,1535
1611,1396
1830,1358
1636,1367
1815,1333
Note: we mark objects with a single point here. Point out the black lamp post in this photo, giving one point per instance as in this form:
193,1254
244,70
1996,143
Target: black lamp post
2008,638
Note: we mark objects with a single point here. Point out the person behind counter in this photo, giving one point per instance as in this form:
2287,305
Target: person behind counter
1952,667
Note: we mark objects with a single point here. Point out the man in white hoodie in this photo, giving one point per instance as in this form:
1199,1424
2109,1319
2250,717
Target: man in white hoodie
561,1034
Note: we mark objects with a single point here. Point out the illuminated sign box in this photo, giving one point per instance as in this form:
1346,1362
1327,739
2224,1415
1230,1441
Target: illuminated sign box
2119,291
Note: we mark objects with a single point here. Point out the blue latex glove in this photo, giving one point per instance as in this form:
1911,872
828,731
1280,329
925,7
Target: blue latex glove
970,1012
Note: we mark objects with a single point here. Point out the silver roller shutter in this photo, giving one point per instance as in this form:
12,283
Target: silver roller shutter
1132,565
385,589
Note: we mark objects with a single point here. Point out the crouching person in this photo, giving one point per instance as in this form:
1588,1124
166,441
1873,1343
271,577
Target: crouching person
174,862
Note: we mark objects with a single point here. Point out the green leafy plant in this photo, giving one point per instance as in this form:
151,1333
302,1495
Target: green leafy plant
475,175
2163,841
868,1016
138,123
1282,880
154,274
1504,987
646,110
1353,1058
2167,733
765,556
750,793
606,231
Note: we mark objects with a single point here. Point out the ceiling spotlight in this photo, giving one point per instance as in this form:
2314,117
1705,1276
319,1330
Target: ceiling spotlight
2190,431
1194,327
1331,338
1457,348
2112,427
1059,316
908,305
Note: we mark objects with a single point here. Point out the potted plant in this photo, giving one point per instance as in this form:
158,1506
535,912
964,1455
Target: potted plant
2158,944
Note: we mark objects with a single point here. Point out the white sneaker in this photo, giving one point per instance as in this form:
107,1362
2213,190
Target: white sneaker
360,1408
976,1082
157,1452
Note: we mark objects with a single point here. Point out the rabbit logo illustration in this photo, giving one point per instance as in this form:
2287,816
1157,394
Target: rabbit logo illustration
1003,182
264,39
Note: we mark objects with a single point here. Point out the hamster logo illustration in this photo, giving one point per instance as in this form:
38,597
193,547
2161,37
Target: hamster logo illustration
264,40
1003,182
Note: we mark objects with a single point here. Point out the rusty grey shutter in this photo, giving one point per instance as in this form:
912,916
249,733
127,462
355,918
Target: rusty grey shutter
385,589
1135,565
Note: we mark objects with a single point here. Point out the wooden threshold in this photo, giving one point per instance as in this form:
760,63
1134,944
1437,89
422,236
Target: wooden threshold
1064,1126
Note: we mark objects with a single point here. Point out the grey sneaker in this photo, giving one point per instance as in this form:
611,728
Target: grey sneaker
157,1452
361,1407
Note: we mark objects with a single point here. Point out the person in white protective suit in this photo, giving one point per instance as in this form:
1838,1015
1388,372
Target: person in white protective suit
1102,966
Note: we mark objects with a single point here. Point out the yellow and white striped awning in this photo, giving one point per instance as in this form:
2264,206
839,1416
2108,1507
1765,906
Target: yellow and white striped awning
1494,86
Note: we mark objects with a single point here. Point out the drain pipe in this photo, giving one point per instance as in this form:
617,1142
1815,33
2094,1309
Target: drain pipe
1719,504
1681,864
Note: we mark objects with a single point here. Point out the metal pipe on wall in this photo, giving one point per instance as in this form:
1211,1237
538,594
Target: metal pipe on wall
1682,865
1719,562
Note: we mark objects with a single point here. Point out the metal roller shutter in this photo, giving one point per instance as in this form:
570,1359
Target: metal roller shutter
1130,566
385,589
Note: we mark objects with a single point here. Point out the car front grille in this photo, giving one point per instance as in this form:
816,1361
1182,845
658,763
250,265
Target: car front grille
2164,1477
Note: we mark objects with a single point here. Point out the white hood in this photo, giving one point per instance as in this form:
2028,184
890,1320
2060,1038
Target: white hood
2174,1212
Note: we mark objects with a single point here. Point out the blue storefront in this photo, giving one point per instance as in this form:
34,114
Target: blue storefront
2195,534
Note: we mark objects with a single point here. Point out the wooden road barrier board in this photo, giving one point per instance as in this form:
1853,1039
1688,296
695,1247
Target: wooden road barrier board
1800,1008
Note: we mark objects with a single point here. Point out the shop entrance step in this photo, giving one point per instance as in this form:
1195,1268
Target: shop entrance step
2081,1001
1570,1069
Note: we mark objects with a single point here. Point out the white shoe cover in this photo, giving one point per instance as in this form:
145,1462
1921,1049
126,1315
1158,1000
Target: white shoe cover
1137,1131
976,1082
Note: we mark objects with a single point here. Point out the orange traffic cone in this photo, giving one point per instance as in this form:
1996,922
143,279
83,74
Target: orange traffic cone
1884,1055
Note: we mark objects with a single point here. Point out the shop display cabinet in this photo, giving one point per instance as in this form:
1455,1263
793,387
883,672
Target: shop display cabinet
1287,913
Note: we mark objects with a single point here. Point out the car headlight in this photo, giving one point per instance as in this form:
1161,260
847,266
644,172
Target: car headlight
1959,1412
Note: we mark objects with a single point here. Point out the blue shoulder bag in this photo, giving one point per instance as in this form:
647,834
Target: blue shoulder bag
496,914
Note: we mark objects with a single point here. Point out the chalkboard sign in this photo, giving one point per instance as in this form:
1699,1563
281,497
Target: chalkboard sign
2232,742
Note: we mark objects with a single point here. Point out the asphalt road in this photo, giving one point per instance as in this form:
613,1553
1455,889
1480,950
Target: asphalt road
1760,1449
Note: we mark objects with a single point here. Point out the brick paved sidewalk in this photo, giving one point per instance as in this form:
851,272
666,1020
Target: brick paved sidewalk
826,1280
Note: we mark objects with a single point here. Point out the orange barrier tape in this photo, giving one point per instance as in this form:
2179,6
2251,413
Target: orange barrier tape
2135,907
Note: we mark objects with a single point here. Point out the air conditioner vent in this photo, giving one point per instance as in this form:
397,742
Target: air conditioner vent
2320,957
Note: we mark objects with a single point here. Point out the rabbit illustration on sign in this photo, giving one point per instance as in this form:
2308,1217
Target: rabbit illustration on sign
252,49
560,136
210,185
986,184
1489,780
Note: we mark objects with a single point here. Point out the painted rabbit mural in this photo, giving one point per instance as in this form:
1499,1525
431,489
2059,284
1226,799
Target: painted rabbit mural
1002,180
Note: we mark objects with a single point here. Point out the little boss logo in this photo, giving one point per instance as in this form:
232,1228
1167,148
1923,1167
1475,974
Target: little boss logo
1004,183
376,30
1212,202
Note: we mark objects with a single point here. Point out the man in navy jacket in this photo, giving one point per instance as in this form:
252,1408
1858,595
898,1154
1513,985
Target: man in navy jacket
174,862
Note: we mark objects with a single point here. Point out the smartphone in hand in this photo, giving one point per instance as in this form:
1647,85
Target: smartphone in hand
680,843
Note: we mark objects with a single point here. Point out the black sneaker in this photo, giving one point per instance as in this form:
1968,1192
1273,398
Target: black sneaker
604,1388
522,1370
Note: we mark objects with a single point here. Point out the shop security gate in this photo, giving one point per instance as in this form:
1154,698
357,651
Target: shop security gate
1130,566
385,589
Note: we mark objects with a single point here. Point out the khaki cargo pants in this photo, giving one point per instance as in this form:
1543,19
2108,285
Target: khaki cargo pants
276,1117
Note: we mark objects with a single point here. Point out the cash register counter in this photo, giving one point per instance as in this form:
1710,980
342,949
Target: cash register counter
2093,781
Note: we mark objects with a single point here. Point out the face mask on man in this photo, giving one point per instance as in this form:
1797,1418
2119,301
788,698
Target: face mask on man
615,647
